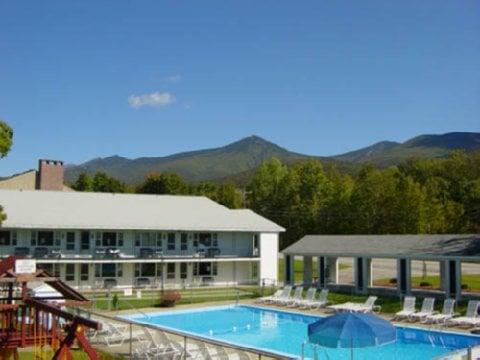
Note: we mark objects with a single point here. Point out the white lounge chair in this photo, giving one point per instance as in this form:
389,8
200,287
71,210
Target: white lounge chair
112,335
297,295
265,299
425,311
162,345
366,307
471,317
448,311
283,296
320,302
309,297
219,353
408,308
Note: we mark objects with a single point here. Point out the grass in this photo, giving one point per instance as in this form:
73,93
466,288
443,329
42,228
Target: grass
298,269
193,296
77,355
471,281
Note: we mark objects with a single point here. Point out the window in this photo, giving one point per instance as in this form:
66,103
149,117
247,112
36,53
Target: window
145,239
159,270
171,271
58,238
107,270
14,238
147,269
254,271
84,272
184,242
205,239
52,269
183,270
120,239
171,241
195,240
44,238
215,240
159,241
98,239
109,239
70,272
70,241
4,238
205,269
85,240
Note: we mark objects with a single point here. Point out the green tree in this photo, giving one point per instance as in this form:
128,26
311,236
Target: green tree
83,183
163,183
229,196
103,183
6,140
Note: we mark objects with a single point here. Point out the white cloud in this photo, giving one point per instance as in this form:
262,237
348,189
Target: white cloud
154,99
172,78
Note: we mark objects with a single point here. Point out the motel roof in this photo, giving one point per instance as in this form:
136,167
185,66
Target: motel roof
388,246
88,210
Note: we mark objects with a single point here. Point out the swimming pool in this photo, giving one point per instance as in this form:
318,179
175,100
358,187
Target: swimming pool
284,332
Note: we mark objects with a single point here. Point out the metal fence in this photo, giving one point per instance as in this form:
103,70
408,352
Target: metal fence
131,340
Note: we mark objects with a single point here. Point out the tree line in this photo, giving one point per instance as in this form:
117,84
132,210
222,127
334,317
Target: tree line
162,183
418,196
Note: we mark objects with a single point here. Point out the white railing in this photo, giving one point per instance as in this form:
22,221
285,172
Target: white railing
472,353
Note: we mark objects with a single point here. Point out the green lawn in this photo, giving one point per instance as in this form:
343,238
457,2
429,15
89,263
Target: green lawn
191,296
77,355
298,269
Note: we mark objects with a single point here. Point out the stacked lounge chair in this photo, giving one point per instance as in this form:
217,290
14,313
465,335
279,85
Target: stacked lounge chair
471,318
368,306
448,312
408,308
318,303
425,311
285,294
309,297
297,295
266,299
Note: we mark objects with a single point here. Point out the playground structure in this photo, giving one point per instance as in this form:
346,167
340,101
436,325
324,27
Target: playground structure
40,322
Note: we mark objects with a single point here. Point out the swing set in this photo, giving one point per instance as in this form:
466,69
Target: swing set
40,322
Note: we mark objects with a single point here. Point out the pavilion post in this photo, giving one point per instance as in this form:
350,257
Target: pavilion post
403,276
332,270
451,278
307,270
289,270
321,272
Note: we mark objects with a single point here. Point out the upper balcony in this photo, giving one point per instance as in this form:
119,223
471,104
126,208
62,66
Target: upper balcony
103,253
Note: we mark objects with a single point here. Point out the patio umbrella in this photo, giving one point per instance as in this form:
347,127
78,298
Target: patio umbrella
351,330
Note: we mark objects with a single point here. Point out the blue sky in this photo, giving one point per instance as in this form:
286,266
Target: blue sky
148,78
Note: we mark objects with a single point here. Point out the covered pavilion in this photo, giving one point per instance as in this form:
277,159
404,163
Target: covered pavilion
448,250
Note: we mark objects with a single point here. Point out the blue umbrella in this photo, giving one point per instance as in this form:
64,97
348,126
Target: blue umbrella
351,330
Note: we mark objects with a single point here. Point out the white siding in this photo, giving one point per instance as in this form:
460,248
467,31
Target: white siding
268,257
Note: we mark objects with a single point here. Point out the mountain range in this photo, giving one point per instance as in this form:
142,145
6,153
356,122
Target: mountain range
237,160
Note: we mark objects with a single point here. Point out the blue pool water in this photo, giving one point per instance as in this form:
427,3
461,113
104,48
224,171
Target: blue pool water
284,332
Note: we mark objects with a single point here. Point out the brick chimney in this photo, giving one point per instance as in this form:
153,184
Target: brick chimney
49,175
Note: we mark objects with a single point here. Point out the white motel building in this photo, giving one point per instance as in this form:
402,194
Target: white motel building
103,240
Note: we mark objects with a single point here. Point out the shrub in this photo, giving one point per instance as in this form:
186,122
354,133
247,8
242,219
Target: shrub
392,281
425,283
169,298
115,301
464,286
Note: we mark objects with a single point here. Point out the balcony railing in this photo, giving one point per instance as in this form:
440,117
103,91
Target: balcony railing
44,252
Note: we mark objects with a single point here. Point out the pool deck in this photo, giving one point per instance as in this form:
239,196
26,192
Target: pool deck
321,312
